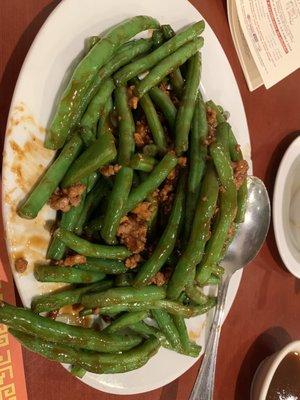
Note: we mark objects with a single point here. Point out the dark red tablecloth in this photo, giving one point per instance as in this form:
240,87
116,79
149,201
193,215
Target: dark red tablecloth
265,314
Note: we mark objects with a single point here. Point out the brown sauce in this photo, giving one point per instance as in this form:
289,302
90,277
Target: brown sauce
285,384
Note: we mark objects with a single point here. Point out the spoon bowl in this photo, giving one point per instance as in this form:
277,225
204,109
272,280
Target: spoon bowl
251,234
247,242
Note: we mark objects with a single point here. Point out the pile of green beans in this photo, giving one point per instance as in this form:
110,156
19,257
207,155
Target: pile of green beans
155,165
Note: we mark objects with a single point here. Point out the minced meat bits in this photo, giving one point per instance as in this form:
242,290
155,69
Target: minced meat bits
133,261
110,170
132,98
21,265
74,259
142,136
240,169
132,232
64,199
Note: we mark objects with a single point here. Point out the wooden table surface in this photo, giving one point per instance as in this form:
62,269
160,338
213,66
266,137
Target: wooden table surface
265,314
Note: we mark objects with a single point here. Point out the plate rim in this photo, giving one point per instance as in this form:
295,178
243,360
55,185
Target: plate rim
28,55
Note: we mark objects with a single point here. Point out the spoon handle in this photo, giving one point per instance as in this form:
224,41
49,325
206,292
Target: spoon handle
204,385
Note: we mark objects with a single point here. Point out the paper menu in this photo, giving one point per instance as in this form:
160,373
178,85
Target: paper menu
267,38
250,70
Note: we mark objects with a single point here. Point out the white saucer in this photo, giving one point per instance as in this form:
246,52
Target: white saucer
286,208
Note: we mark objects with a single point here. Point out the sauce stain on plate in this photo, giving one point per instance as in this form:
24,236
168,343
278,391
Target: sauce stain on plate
25,159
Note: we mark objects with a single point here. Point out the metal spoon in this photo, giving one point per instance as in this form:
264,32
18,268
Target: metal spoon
249,238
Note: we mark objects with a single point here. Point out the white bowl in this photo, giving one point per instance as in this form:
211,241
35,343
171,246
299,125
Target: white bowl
286,208
265,372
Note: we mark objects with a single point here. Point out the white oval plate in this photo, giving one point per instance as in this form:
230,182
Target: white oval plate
53,52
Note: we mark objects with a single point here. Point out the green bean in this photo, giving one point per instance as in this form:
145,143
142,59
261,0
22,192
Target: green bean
93,227
73,219
86,135
89,249
212,280
172,307
167,326
219,111
135,179
199,234
40,194
68,221
150,150
195,294
157,38
101,152
125,54
166,243
154,123
124,279
148,330
104,116
91,181
56,300
111,267
175,76
91,203
92,113
90,42
91,361
126,320
155,178
70,106
227,213
77,371
126,126
143,329
197,161
237,155
141,162
147,62
186,109
28,322
164,102
180,326
167,65
123,294
116,203
55,273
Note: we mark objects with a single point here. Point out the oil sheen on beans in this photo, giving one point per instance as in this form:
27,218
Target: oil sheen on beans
285,384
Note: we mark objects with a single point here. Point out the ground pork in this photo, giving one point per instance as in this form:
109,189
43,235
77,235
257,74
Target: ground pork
64,199
53,314
142,136
211,116
110,170
158,279
166,193
143,211
182,161
133,261
74,259
132,99
21,265
132,232
240,169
